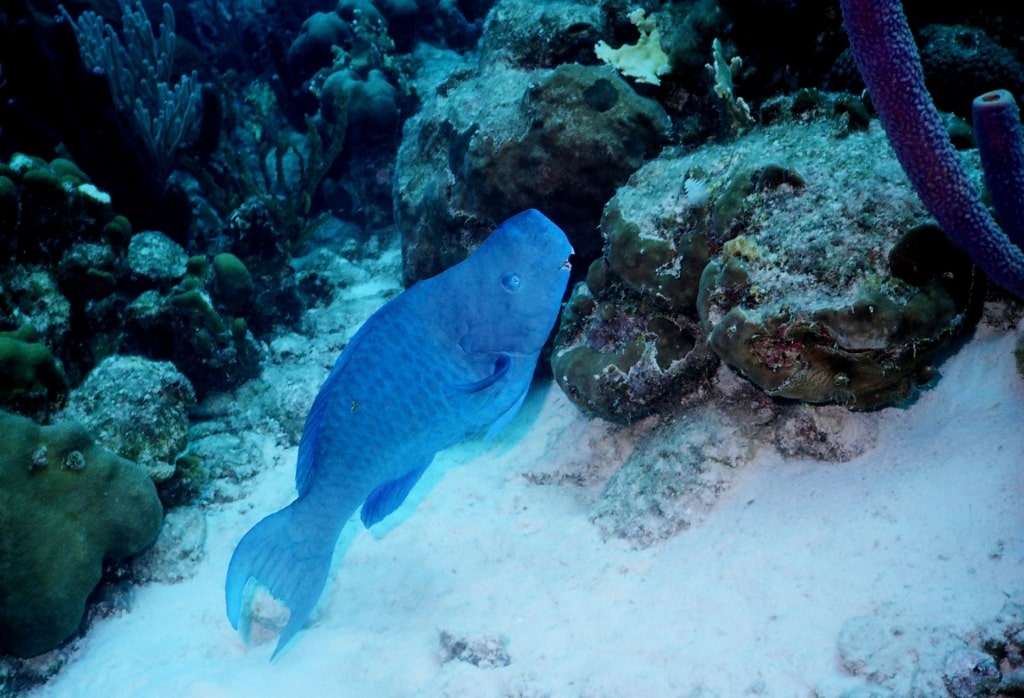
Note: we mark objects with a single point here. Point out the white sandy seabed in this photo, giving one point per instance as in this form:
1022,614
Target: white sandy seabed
922,535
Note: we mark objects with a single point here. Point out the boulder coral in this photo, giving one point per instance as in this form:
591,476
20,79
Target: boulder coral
66,505
829,287
811,269
629,338
619,356
542,34
137,408
487,146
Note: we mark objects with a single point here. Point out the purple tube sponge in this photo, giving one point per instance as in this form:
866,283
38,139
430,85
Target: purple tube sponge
887,58
997,127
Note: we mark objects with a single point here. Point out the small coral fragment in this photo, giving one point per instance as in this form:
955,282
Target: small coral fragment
644,61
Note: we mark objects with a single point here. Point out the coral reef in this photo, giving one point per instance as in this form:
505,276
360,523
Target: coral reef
233,286
194,325
721,233
628,340
56,106
66,505
49,206
139,68
961,62
82,286
154,259
621,358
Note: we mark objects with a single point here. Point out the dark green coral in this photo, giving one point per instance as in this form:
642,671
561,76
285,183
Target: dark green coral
65,505
28,366
233,285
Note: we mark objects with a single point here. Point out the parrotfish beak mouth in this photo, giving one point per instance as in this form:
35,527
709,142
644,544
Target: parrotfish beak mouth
567,265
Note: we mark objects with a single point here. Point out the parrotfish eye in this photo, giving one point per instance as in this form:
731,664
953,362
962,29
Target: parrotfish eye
511,281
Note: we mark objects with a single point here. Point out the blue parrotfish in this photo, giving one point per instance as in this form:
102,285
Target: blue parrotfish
450,358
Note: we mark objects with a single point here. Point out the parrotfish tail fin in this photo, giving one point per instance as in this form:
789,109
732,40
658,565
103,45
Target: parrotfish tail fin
292,563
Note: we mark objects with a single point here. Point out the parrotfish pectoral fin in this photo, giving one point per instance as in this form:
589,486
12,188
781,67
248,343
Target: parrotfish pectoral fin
389,496
293,567
501,367
507,416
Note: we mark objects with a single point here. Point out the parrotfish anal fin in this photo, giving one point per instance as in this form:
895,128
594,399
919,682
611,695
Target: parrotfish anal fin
389,496
501,367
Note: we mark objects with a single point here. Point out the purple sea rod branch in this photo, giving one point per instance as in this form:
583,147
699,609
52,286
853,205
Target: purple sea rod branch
887,58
